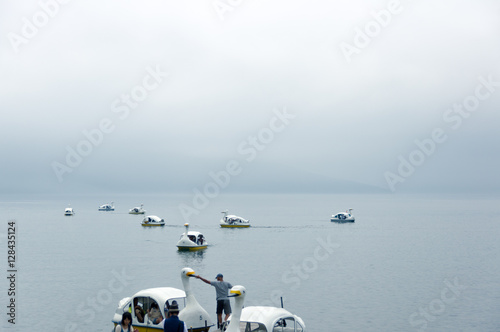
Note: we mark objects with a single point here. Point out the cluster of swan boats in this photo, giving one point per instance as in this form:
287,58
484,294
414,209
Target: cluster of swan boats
189,240
227,221
193,240
107,207
243,319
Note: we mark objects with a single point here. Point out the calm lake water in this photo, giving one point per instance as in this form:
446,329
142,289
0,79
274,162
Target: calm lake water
408,263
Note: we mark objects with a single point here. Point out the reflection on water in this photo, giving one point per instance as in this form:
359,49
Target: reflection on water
191,257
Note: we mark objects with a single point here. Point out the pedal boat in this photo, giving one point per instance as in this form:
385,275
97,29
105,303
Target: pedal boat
343,217
69,211
152,221
137,210
107,207
232,221
191,240
143,299
260,318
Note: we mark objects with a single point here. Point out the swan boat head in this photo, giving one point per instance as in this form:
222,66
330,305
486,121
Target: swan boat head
238,292
195,317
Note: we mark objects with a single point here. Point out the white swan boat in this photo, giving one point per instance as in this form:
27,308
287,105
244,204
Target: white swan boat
140,302
107,207
193,314
152,221
191,240
69,211
261,318
137,210
232,221
343,217
238,292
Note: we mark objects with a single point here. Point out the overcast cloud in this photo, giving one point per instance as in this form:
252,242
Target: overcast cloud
296,93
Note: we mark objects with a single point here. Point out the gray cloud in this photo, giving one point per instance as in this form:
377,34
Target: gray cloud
353,120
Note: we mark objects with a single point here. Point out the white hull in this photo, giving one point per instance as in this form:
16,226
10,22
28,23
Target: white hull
234,225
342,220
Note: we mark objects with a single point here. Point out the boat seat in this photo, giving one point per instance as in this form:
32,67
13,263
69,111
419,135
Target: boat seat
283,329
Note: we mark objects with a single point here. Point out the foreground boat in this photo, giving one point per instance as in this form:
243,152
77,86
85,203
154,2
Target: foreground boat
137,210
232,221
139,303
270,319
107,207
152,221
343,217
191,240
261,318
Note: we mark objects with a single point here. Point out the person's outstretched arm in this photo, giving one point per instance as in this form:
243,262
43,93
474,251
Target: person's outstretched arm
203,279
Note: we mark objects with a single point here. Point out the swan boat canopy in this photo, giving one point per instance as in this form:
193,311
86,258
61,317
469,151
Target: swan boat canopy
191,240
69,211
343,217
107,207
193,314
139,303
232,221
152,221
260,318
137,210
270,319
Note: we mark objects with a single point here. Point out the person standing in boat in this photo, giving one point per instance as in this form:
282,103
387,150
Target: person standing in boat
222,289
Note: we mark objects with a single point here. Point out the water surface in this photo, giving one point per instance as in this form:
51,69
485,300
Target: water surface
407,263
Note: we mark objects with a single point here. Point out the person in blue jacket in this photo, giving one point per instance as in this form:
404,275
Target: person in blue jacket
173,323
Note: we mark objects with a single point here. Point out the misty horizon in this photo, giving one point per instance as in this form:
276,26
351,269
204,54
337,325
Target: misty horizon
289,97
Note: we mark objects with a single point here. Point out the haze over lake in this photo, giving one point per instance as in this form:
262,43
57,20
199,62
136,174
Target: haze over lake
284,113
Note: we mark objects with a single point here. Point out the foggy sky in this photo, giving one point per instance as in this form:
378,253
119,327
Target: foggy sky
264,87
